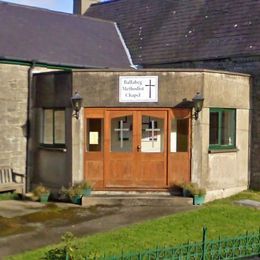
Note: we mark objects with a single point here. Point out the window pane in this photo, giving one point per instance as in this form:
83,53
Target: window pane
122,134
214,128
179,135
94,135
152,134
59,131
227,128
173,136
48,126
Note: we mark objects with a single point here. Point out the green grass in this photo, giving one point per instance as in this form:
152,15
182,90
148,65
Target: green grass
8,196
222,217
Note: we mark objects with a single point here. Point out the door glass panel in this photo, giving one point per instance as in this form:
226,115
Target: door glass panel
152,134
179,135
94,134
122,134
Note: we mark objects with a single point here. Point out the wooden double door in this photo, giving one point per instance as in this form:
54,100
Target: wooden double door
127,149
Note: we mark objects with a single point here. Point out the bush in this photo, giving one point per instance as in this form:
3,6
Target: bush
40,190
65,252
72,191
84,185
193,188
196,190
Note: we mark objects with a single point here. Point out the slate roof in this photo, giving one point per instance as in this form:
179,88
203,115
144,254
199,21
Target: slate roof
167,31
28,33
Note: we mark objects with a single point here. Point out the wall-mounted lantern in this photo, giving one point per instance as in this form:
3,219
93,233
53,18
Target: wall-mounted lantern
76,102
198,100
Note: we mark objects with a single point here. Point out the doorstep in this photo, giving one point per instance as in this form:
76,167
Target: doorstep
135,199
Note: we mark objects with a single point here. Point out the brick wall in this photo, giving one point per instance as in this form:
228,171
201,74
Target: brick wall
13,109
250,65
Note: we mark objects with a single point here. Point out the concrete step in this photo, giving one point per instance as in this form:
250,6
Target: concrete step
136,200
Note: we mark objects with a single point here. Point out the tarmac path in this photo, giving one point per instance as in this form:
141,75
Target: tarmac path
104,220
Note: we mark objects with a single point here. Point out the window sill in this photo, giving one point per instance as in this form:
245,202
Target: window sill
53,149
231,150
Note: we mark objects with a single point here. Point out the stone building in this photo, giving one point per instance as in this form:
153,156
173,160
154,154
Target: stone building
136,130
34,40
120,138
221,35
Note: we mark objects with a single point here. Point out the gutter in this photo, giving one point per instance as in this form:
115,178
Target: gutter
28,127
7,60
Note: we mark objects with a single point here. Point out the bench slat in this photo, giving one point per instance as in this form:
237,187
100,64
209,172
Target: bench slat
7,181
6,175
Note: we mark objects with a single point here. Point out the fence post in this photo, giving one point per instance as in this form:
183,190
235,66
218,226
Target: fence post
259,242
204,243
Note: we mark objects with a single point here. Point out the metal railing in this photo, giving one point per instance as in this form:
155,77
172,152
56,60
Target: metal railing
223,248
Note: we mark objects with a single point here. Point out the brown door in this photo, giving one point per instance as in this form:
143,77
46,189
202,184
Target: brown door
151,150
94,147
136,149
179,155
120,139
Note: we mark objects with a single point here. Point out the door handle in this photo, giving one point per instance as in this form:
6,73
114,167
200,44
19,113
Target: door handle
138,148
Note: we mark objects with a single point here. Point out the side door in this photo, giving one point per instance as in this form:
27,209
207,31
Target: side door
179,156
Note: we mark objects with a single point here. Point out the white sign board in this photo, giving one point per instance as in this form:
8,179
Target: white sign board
93,137
138,88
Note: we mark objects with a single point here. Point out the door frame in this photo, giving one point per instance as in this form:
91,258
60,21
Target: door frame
101,113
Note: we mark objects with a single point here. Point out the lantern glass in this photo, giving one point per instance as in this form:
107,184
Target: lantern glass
198,102
76,101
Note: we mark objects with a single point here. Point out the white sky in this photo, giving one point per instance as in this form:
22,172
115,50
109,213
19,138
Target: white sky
57,5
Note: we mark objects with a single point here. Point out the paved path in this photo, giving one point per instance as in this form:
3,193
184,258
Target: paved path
108,220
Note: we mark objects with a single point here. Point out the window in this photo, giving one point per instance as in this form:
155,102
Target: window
122,134
94,135
179,135
152,134
53,127
222,133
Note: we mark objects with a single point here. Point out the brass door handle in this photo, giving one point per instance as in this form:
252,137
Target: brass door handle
138,148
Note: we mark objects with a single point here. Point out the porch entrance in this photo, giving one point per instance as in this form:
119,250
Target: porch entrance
137,148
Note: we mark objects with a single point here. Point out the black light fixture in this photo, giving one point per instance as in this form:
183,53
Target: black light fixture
76,102
198,100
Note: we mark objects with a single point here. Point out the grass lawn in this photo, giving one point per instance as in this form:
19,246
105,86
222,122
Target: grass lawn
8,196
222,217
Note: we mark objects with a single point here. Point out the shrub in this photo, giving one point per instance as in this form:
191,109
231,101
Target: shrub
84,185
72,191
65,252
40,190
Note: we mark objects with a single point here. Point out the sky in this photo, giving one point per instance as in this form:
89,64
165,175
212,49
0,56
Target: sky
57,5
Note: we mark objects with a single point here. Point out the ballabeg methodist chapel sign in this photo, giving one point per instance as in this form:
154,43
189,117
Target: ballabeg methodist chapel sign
138,89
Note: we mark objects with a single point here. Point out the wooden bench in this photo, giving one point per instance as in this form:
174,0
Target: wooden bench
8,180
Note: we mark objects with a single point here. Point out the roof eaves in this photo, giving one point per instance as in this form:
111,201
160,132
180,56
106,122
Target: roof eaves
237,56
11,60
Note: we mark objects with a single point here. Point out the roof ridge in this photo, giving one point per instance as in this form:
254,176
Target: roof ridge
106,2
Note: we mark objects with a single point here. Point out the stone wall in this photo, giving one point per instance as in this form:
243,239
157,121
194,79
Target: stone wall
250,65
13,109
222,172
